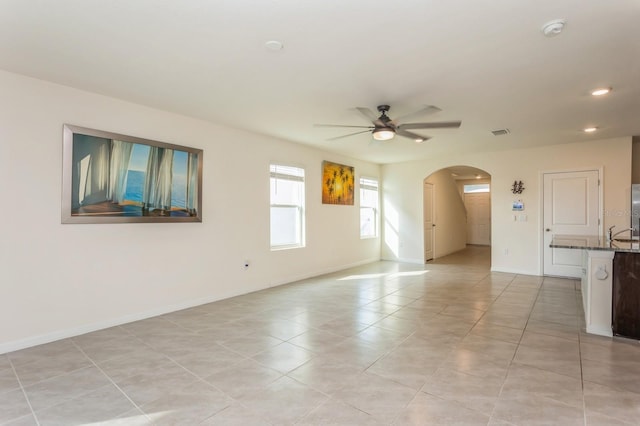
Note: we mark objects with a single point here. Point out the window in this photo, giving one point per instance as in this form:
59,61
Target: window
368,208
287,207
478,187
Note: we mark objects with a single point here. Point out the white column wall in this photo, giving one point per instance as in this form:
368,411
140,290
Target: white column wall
450,215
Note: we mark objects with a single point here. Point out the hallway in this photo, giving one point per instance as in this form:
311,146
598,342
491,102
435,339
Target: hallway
472,255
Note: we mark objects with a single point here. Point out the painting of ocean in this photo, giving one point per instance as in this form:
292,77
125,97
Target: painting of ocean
135,188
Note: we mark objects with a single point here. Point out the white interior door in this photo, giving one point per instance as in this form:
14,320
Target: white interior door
571,203
429,225
478,207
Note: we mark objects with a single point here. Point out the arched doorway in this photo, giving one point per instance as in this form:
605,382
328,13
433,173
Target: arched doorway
457,212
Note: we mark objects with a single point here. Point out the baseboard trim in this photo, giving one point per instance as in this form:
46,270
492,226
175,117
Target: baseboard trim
600,331
101,325
41,339
515,271
406,260
320,272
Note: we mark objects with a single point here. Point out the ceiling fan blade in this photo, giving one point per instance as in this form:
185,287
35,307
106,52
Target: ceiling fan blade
429,109
342,125
370,115
434,125
350,134
367,113
416,137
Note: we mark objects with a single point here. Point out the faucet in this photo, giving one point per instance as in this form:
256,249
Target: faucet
611,235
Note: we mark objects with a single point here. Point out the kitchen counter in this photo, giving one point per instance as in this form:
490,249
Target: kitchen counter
593,242
603,263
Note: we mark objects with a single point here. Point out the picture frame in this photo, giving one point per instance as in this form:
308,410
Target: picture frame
113,178
338,184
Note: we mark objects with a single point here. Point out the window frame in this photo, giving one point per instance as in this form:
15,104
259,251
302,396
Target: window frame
480,187
366,184
301,224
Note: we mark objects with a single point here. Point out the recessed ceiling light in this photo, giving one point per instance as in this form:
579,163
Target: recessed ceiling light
601,91
590,129
274,45
419,140
553,28
478,177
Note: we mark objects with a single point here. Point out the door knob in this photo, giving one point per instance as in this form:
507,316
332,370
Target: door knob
548,229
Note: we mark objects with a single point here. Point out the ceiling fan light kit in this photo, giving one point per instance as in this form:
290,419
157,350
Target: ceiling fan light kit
383,134
383,128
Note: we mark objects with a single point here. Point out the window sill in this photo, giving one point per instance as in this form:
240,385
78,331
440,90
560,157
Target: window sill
280,248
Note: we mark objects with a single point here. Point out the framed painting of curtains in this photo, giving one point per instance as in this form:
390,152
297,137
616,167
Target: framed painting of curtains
112,178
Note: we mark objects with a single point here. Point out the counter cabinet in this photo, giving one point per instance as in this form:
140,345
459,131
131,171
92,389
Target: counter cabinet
626,295
596,284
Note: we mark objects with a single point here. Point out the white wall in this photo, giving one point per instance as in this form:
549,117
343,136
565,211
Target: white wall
450,215
60,280
402,194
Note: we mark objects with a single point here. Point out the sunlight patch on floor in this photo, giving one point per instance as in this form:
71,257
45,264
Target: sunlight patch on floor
408,274
361,277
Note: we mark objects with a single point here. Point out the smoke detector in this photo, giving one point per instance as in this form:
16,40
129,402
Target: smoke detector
553,28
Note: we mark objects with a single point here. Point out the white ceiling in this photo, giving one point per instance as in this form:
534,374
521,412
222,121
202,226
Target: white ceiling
483,62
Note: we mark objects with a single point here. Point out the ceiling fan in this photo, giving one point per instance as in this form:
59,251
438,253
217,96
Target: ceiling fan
384,128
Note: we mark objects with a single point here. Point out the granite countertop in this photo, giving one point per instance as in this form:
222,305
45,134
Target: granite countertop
593,242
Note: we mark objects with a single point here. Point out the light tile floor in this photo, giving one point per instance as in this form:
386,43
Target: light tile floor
444,343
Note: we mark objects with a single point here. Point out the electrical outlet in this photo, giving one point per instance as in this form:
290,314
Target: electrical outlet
506,252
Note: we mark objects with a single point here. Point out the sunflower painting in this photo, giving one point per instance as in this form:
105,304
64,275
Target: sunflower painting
337,184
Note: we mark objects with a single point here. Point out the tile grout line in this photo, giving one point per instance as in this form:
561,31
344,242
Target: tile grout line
227,395
26,397
364,371
520,340
111,380
439,366
584,403
505,288
480,318
582,382
469,332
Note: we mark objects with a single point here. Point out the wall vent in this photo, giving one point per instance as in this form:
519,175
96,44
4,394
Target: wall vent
500,132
